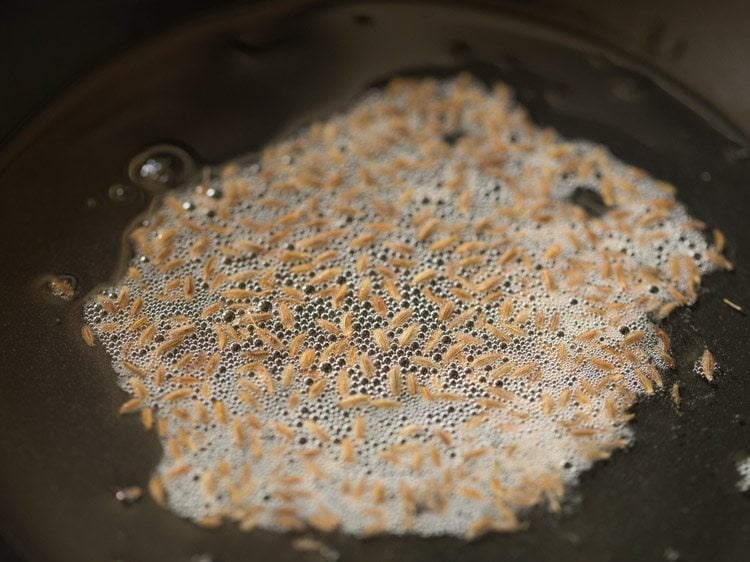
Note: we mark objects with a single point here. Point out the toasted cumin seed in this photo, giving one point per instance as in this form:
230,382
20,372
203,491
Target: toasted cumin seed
381,339
282,429
446,310
408,335
379,305
156,490
316,389
708,364
424,276
486,359
220,412
353,400
399,318
285,316
317,431
365,364
87,335
134,369
130,406
424,362
358,428
296,344
385,403
307,359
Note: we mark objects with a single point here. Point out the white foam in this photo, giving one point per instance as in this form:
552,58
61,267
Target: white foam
506,184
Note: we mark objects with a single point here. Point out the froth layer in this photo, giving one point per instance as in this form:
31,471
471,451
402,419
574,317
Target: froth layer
424,314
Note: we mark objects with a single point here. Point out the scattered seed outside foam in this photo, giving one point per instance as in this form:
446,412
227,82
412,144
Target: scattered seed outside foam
424,315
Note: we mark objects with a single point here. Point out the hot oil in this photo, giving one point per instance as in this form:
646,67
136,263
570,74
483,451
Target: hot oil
248,78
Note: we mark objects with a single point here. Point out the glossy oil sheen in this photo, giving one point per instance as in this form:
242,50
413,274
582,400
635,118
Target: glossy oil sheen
226,86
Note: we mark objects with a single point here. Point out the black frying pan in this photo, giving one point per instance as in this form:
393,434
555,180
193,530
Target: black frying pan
227,84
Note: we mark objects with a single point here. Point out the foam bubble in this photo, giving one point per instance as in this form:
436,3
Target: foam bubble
424,314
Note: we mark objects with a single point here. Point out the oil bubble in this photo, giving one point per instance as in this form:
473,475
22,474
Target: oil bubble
161,167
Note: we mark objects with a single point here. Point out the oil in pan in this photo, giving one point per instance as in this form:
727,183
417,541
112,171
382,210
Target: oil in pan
244,81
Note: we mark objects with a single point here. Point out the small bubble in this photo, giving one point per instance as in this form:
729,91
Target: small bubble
120,193
161,167
129,495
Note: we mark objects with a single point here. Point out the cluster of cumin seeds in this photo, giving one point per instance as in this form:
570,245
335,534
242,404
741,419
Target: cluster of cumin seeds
424,314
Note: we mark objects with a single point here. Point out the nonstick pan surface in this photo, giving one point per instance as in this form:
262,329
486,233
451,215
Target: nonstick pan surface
227,85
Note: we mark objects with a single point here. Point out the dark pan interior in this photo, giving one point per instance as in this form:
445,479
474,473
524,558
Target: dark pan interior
225,87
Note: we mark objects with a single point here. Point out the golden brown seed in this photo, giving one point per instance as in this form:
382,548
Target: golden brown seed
282,429
394,380
306,359
708,364
424,276
379,305
676,395
385,403
358,428
220,412
408,335
285,316
411,383
87,335
178,394
399,318
353,400
381,339
156,490
317,431
424,362
316,389
347,450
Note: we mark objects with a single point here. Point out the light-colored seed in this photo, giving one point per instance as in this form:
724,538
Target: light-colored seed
316,389
179,394
399,318
306,359
156,490
285,316
358,427
385,403
317,431
411,383
708,364
381,339
424,276
408,335
365,364
353,400
424,362
130,406
282,429
347,450
394,380
220,412
733,305
676,399
87,335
